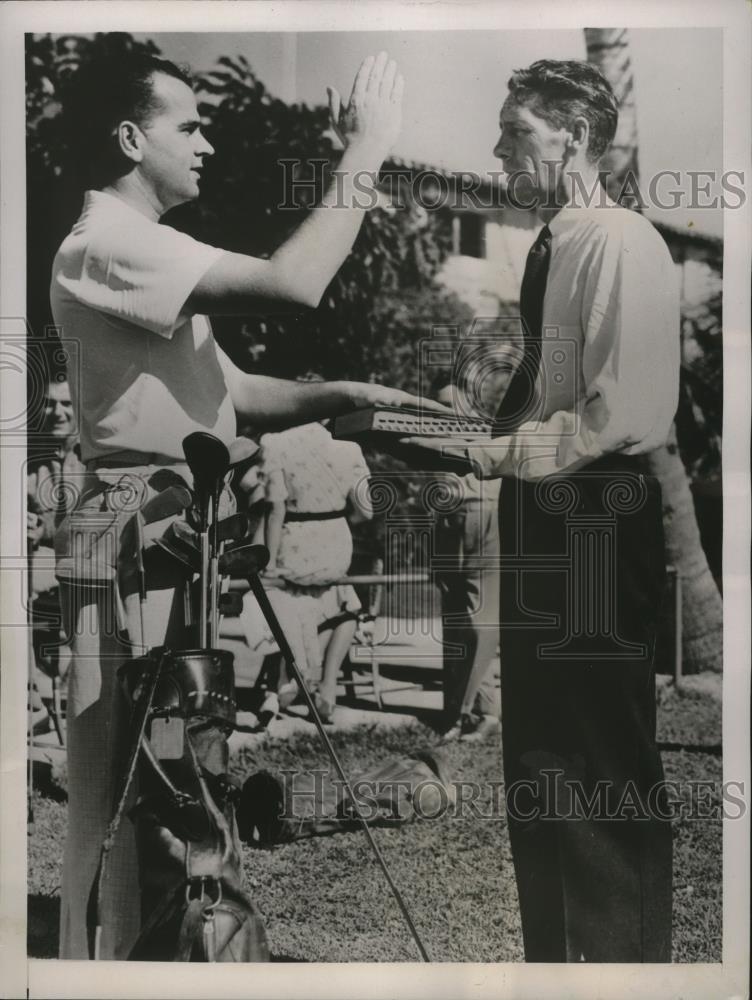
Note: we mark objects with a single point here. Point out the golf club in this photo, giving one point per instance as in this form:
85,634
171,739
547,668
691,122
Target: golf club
244,559
138,521
247,561
230,529
230,604
208,460
170,501
259,593
180,542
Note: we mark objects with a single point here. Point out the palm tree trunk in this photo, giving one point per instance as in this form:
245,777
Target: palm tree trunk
702,611
608,49
702,607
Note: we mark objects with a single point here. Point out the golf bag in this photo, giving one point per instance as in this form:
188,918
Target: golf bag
194,906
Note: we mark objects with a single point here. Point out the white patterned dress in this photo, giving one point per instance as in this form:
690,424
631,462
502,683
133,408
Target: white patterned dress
313,474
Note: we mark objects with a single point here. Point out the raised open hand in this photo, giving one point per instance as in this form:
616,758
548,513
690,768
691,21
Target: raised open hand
373,116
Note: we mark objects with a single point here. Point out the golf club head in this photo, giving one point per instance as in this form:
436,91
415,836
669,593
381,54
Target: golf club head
207,458
185,554
231,603
244,561
170,501
193,518
163,478
233,528
230,529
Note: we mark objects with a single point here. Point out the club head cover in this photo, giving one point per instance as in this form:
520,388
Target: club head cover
208,459
242,451
244,561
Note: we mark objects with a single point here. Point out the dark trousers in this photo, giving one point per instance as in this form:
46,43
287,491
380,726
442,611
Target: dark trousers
583,576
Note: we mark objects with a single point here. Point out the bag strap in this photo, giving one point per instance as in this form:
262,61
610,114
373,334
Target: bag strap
220,821
158,916
178,796
191,924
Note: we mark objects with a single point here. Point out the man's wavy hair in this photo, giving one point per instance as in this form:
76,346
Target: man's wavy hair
102,94
559,90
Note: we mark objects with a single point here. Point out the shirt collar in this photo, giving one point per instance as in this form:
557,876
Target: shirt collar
573,212
112,203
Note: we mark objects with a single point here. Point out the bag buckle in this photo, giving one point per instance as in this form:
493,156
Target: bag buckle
200,884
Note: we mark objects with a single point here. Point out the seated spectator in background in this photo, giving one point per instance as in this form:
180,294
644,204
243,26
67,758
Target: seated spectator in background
469,534
309,480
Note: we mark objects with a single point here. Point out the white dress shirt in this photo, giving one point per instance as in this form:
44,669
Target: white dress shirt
609,373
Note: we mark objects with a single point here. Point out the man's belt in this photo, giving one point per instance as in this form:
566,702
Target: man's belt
313,515
123,459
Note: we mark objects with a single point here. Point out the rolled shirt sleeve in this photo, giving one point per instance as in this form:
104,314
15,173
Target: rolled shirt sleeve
629,361
144,282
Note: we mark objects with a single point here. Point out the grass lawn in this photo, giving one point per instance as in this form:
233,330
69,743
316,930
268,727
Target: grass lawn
325,899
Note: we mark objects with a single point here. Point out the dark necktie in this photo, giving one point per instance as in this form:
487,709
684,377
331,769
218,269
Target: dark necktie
517,402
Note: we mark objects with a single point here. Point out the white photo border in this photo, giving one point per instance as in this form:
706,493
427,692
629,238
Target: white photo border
81,979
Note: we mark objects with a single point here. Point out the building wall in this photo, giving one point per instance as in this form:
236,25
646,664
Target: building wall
492,275
489,281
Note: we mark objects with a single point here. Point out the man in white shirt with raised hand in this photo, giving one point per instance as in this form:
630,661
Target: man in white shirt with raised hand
134,294
583,563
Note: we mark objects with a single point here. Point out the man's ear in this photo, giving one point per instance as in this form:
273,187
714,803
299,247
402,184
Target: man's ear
580,134
130,138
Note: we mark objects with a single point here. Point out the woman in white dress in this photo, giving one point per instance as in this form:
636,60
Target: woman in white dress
310,481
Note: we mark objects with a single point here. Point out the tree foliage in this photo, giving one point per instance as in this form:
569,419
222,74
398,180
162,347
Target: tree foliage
53,191
699,420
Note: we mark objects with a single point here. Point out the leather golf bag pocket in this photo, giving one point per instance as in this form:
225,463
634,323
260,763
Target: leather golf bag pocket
193,904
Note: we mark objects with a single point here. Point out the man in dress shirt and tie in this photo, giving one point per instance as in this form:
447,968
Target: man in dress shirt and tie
583,562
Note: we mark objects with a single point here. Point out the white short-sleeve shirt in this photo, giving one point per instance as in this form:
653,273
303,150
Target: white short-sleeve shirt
148,373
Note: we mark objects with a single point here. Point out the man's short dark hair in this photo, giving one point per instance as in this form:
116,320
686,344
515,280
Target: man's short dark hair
558,91
102,94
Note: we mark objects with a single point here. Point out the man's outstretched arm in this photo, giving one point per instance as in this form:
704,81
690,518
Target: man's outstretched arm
274,403
300,270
